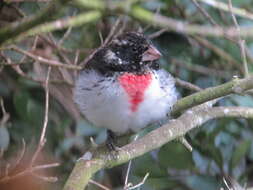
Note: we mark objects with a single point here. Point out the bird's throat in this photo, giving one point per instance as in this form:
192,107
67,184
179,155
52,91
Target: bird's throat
135,87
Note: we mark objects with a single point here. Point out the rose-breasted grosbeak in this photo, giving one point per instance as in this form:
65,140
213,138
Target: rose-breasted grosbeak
122,87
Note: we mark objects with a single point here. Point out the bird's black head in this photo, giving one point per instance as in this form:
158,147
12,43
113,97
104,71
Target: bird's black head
130,52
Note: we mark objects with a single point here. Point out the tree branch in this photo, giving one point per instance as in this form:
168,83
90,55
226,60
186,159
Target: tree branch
53,63
241,42
225,7
235,86
143,15
59,24
89,165
28,27
44,15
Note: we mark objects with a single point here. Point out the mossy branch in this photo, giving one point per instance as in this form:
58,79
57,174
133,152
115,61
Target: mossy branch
29,26
235,86
78,20
130,7
16,28
87,166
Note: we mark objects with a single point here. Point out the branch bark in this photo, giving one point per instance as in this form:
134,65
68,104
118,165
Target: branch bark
36,24
235,86
143,15
44,15
92,162
59,24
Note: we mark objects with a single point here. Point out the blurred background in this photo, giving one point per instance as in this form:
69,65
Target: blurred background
221,148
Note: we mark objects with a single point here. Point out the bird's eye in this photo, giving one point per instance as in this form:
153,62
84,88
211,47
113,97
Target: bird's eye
155,65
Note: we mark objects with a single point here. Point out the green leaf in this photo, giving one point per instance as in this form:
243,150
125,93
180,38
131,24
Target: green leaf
175,155
239,153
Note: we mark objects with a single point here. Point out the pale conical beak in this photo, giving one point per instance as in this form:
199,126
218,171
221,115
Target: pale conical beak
151,54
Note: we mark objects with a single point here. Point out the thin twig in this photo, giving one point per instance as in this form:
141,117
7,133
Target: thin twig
139,184
211,20
29,170
203,11
244,59
2,106
61,54
223,6
126,185
43,133
185,143
6,171
106,41
21,155
158,33
219,51
45,178
44,166
48,40
157,11
159,20
98,184
66,34
6,115
101,37
32,78
77,55
112,32
122,27
46,61
187,85
201,69
35,42
211,46
241,42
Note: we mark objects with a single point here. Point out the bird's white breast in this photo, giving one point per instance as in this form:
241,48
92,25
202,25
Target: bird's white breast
105,103
157,102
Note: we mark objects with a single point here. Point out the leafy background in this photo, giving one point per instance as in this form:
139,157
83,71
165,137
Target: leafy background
221,147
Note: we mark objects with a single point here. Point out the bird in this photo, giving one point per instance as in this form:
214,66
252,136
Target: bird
123,88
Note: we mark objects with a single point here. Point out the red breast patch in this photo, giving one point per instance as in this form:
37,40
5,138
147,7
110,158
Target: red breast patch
135,86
